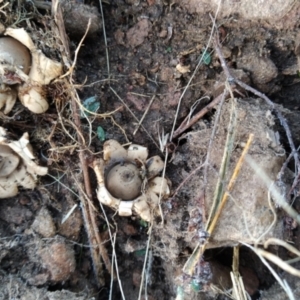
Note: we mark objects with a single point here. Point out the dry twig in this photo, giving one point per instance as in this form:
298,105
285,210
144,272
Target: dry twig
188,122
96,245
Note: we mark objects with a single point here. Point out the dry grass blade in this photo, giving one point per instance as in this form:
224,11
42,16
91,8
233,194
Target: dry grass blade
230,185
238,288
145,262
144,115
147,259
66,217
278,261
189,266
282,282
220,188
105,39
274,241
114,265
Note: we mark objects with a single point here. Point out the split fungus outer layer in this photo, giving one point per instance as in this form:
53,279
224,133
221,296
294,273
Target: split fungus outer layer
24,71
16,165
128,182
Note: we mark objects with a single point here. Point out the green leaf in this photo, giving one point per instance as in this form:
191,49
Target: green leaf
143,223
195,285
140,253
91,104
101,133
206,58
169,49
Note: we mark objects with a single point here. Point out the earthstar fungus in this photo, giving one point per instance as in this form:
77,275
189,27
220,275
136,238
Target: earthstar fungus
128,182
16,165
24,71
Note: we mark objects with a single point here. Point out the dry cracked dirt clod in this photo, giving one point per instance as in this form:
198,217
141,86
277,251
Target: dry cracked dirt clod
248,214
128,182
24,71
16,165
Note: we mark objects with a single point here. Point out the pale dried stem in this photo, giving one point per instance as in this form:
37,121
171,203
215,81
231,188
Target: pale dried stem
188,122
282,282
278,261
112,238
275,241
238,288
71,69
144,115
145,261
105,39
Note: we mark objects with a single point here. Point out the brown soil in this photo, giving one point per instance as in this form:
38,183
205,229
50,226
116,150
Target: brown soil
153,48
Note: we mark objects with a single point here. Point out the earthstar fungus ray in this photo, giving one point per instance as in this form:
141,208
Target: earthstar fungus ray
128,182
24,71
17,166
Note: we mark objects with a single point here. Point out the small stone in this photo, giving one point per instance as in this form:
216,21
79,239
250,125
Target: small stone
163,33
137,277
72,226
151,2
59,260
76,18
119,37
137,34
43,223
38,279
183,69
129,229
166,74
262,69
226,52
16,214
219,85
132,245
24,200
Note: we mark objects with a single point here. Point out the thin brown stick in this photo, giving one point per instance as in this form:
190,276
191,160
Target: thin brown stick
188,122
97,248
60,30
96,244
